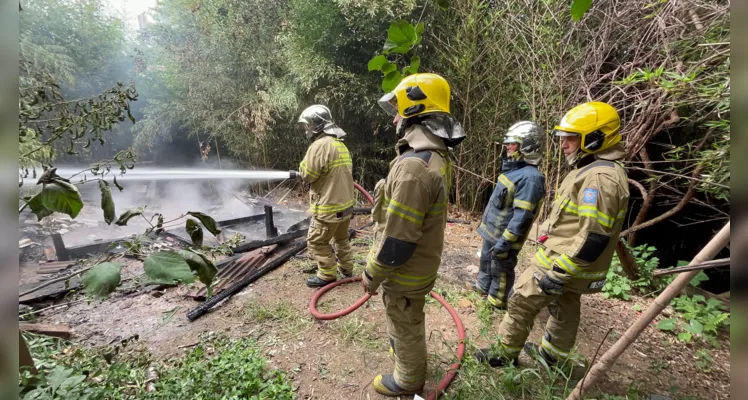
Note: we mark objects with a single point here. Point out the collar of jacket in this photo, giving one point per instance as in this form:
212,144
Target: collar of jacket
418,138
507,165
617,152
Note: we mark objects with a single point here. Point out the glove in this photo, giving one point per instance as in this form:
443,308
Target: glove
548,285
501,249
368,285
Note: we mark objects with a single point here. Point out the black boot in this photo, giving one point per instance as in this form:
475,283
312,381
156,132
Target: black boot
345,274
317,282
495,361
533,349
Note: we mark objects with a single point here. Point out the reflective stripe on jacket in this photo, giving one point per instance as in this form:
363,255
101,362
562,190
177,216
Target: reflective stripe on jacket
584,225
328,167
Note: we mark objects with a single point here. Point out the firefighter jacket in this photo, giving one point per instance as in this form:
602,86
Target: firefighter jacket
327,166
513,206
410,215
585,222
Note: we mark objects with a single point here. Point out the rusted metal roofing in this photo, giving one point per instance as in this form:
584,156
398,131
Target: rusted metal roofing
236,270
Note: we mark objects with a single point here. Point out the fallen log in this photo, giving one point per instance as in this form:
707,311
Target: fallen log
63,331
282,239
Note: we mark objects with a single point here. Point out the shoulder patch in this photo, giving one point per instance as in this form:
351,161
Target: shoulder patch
423,155
590,196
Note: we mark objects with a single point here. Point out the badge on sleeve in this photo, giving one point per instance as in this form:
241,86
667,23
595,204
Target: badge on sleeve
590,196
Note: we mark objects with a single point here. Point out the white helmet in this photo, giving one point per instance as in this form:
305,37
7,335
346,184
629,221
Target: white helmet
317,119
527,134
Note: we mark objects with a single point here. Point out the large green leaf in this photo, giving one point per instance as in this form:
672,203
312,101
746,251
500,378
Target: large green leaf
390,81
167,267
376,63
401,32
36,206
700,277
195,231
387,68
667,324
579,8
694,327
128,215
200,265
107,203
208,222
415,63
62,197
102,279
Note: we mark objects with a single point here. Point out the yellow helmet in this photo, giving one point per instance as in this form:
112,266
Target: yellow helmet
417,94
596,122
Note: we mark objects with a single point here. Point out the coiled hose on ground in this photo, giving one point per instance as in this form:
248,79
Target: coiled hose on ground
451,373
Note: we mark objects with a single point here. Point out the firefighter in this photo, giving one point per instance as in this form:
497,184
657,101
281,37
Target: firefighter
411,214
510,212
327,166
577,242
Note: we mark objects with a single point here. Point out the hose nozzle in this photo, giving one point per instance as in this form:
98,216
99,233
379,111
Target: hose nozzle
293,174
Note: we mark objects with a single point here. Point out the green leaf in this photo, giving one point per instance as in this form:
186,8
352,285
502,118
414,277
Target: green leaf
694,327
200,265
167,267
415,63
128,215
401,32
419,28
102,279
667,324
376,63
579,8
700,277
62,197
195,231
390,81
684,336
208,222
36,206
387,68
107,203
443,4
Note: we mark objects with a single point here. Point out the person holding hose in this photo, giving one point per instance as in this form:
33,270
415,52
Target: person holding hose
410,212
328,167
578,239
510,212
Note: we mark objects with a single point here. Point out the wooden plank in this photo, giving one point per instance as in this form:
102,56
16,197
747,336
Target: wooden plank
63,331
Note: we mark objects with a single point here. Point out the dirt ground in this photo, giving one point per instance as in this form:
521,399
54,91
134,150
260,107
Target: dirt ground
338,359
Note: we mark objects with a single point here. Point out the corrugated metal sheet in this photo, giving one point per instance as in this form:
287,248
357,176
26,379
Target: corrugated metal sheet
236,270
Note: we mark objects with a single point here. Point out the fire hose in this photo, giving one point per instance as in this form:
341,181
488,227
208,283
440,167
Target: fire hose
451,373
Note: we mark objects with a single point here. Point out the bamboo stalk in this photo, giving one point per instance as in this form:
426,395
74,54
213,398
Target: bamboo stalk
695,267
611,356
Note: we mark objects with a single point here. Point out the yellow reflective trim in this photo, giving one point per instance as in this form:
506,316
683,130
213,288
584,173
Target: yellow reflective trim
511,349
437,208
503,179
422,281
404,216
406,208
309,171
621,214
376,270
509,236
567,265
518,245
524,205
486,230
343,206
544,260
553,349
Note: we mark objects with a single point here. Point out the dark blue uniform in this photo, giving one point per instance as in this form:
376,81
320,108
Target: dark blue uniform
507,219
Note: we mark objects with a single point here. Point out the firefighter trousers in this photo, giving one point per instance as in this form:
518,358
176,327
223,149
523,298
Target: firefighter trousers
407,333
319,238
525,304
496,276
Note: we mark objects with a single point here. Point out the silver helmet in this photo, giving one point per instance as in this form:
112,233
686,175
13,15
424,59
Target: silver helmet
317,119
528,136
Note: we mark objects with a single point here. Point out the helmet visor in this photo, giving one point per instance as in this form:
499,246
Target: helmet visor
512,139
388,102
561,133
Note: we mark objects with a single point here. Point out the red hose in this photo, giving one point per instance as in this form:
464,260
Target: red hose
447,379
364,192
